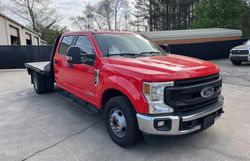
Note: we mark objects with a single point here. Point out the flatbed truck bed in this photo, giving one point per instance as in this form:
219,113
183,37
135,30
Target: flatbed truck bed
40,67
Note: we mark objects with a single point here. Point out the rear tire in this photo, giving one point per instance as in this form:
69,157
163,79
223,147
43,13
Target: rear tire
236,62
119,113
39,83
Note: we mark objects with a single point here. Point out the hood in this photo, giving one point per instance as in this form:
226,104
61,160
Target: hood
163,68
242,47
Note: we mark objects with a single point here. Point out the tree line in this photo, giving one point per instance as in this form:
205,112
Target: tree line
137,15
164,14
105,15
157,15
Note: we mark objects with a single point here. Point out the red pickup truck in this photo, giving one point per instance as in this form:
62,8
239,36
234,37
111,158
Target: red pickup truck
139,87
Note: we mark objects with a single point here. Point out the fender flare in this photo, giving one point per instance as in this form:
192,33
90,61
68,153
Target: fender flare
127,88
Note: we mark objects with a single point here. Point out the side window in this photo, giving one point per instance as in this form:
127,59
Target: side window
85,45
65,44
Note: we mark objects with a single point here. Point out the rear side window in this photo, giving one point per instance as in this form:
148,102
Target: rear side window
85,45
65,44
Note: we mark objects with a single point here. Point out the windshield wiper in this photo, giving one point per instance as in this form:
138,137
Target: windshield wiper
135,54
150,52
125,54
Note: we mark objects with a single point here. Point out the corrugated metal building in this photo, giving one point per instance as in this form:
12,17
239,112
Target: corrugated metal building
14,33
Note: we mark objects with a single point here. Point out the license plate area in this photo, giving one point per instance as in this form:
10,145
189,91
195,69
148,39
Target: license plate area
208,121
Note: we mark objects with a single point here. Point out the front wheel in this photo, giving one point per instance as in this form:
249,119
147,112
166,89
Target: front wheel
121,122
236,62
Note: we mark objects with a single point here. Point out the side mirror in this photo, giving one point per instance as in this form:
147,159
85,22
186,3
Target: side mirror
166,48
74,55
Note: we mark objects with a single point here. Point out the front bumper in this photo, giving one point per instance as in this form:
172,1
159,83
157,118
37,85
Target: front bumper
193,119
244,58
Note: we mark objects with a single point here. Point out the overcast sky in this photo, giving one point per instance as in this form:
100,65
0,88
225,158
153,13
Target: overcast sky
65,8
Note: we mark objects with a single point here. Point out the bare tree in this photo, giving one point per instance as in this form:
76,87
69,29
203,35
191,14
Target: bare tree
119,7
89,19
36,12
106,11
126,12
84,21
98,20
139,15
116,4
102,15
80,22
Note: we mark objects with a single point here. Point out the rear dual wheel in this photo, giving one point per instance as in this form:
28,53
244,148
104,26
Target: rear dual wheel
41,83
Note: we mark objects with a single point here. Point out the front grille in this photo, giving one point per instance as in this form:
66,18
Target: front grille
194,81
186,94
197,106
239,52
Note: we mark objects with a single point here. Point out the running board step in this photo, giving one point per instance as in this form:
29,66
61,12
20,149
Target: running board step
90,109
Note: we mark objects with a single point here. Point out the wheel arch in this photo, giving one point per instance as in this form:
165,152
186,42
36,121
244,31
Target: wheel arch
115,86
110,93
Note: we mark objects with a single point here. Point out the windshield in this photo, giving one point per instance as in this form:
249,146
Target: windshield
126,44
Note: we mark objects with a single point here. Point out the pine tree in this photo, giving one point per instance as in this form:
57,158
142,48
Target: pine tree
139,14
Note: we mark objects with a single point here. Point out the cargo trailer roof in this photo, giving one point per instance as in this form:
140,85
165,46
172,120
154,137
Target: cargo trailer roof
192,34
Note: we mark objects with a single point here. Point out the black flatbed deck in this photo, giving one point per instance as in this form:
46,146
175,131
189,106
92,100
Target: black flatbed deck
40,67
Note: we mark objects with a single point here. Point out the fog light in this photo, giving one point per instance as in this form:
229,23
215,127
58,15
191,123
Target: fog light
160,123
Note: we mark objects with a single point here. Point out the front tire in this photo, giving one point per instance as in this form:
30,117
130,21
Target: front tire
236,62
121,123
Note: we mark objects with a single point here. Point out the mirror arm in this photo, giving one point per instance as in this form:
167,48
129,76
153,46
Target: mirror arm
69,57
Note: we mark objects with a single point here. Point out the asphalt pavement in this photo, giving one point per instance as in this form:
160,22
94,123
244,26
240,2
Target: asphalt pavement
49,127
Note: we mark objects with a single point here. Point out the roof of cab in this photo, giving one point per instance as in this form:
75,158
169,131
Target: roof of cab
98,32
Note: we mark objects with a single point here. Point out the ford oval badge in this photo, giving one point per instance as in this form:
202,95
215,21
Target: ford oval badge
207,92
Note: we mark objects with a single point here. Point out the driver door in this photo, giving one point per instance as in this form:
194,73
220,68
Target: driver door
82,80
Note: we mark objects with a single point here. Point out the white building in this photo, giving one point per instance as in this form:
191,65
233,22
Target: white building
14,33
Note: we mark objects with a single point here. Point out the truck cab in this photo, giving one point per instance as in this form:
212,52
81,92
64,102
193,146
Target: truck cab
139,87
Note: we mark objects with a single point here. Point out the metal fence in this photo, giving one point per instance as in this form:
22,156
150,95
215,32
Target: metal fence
15,56
208,50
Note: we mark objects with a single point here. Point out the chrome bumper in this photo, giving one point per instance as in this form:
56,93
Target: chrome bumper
239,57
146,123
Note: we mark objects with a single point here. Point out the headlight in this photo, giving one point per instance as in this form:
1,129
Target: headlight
154,93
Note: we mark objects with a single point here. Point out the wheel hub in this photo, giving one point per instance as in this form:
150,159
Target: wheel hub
118,123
